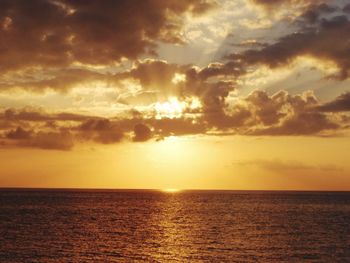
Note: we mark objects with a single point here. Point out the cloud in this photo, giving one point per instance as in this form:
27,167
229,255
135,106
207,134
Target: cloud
56,79
211,84
178,127
100,130
39,115
315,12
142,133
57,33
154,76
51,141
60,138
277,165
285,114
44,140
300,124
74,45
346,8
18,134
318,36
59,44
259,113
340,104
270,4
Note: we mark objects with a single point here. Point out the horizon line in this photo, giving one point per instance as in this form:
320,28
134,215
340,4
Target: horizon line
87,189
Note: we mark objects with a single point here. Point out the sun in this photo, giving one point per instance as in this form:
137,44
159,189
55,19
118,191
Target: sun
173,108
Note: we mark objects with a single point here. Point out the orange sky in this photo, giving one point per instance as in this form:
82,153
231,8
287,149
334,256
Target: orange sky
247,94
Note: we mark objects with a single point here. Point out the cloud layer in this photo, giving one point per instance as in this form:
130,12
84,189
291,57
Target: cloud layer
68,46
256,114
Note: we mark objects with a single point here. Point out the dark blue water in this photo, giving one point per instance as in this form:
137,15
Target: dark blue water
151,226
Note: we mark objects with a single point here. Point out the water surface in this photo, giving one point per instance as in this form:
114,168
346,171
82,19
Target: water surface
189,226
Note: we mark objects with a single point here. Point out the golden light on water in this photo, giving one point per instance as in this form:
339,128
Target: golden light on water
171,190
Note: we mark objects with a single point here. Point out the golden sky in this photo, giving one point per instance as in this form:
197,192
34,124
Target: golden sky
197,94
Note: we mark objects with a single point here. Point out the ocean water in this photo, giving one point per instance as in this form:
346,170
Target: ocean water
189,226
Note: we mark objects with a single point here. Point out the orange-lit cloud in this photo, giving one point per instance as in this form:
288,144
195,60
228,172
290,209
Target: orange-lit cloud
256,114
287,166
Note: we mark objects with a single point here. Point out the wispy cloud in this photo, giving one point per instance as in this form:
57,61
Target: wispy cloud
277,165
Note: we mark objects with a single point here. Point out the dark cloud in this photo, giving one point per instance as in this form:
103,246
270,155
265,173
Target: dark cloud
56,33
341,103
51,141
267,108
38,115
57,131
142,133
309,123
270,4
44,140
250,43
325,39
282,114
314,13
56,137
101,131
151,73
347,8
43,41
18,134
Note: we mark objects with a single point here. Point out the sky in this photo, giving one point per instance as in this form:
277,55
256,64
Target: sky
160,94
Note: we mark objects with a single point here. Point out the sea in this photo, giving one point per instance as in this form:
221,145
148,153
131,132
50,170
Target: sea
186,226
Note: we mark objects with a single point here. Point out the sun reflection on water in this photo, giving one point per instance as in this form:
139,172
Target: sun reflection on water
170,190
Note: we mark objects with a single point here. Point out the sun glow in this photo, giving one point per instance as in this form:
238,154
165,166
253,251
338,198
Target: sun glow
171,190
173,108
178,78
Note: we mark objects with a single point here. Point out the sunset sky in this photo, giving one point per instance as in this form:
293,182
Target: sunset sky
195,94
